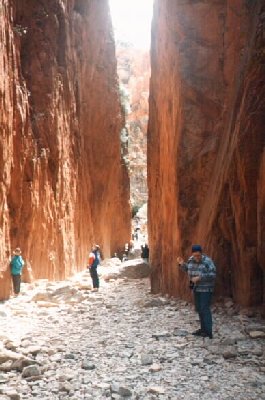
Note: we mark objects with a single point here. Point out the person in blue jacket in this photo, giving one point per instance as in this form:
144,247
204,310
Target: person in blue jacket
17,264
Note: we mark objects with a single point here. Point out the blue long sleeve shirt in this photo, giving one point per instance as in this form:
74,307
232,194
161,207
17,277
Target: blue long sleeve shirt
205,269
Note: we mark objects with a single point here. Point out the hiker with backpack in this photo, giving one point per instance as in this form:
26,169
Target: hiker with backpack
16,264
202,274
93,262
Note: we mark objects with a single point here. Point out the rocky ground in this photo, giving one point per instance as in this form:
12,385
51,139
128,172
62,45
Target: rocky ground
60,340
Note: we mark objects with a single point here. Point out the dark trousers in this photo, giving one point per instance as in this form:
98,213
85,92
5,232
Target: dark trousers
94,277
202,305
16,283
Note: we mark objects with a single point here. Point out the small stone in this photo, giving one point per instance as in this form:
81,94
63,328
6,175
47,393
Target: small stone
34,350
198,361
229,303
22,363
3,314
180,332
10,345
160,335
6,366
13,394
69,356
85,285
156,390
210,360
65,387
155,368
229,352
2,378
31,371
56,357
114,387
257,334
120,390
87,365
6,355
156,302
103,385
46,304
146,359
229,341
125,392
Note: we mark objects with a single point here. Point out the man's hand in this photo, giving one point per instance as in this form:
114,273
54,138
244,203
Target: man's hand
180,261
195,279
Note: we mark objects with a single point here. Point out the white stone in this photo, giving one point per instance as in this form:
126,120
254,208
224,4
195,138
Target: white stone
257,334
156,390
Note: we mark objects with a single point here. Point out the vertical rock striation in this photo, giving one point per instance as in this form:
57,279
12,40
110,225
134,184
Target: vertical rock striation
134,74
206,143
63,185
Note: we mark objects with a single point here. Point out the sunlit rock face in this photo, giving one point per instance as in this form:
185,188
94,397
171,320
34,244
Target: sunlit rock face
206,155
134,74
63,185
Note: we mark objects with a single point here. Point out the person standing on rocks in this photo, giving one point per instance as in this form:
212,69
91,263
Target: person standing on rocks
16,264
202,274
145,252
93,262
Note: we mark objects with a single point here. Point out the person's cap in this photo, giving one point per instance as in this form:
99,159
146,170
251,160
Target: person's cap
97,246
17,251
196,247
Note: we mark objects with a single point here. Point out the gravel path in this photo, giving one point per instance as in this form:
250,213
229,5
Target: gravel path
123,343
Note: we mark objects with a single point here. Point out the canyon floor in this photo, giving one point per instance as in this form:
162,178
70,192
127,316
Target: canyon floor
60,340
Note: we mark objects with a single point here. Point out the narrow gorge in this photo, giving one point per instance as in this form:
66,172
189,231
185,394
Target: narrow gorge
141,153
65,182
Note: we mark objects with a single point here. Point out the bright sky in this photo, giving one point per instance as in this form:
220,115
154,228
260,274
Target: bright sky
132,21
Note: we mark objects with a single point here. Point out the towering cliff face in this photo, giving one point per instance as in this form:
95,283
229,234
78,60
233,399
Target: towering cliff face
134,74
206,143
63,185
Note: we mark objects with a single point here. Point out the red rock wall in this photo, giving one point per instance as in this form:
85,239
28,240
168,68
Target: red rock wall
206,143
63,185
134,74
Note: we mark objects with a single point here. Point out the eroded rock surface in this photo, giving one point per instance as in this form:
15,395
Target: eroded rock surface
134,74
63,185
206,148
123,342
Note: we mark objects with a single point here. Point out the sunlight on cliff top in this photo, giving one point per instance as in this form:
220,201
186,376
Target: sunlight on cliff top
132,21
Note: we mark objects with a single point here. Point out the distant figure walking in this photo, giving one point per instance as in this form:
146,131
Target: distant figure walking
126,249
131,246
202,274
93,262
16,264
145,252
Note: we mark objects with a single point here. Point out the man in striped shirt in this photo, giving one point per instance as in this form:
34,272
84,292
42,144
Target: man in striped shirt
202,274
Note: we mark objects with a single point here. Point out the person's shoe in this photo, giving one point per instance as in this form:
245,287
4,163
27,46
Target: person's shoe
95,290
199,332
206,335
